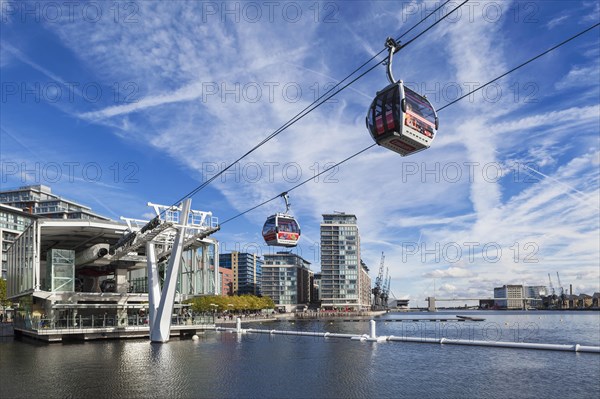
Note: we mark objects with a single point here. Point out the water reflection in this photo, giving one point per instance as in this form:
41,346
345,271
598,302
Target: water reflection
225,365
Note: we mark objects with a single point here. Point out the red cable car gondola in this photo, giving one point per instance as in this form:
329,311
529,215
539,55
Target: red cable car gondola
282,229
399,118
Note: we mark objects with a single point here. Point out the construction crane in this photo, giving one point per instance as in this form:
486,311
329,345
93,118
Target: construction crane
552,293
561,289
377,290
385,291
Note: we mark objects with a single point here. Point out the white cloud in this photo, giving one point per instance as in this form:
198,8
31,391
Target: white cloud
451,272
553,23
580,76
447,288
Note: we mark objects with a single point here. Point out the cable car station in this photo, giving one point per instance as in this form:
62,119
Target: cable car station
104,281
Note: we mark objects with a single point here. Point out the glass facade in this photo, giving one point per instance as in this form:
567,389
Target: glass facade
60,270
12,223
247,271
340,261
22,262
197,272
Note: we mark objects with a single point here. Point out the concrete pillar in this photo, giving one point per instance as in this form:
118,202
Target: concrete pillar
121,284
122,320
431,304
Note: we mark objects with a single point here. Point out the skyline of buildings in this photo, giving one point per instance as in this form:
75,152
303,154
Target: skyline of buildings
343,281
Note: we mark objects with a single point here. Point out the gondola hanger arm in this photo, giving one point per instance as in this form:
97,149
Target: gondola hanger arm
285,197
393,46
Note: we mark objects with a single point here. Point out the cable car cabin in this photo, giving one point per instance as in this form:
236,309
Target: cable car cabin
281,230
401,120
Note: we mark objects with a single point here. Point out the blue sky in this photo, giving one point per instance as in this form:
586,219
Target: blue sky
121,103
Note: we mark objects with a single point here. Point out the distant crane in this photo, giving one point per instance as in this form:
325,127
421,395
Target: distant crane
377,290
385,294
560,287
552,293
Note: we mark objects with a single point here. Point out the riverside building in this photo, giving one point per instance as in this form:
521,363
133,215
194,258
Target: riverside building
13,221
286,279
513,296
40,201
345,283
88,278
247,271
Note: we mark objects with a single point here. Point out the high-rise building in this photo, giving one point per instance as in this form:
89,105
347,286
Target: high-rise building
40,201
286,278
342,277
315,295
364,285
247,271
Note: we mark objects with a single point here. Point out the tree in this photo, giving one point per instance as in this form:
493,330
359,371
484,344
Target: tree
230,303
3,301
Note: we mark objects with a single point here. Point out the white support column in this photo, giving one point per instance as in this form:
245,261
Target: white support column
153,283
162,323
216,257
205,271
37,282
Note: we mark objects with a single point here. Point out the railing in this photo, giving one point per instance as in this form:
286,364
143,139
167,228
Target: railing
104,321
332,314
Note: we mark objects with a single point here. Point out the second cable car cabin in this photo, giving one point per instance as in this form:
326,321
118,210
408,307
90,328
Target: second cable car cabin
282,229
399,118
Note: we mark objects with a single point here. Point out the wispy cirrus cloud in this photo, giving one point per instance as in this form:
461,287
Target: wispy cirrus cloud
198,81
